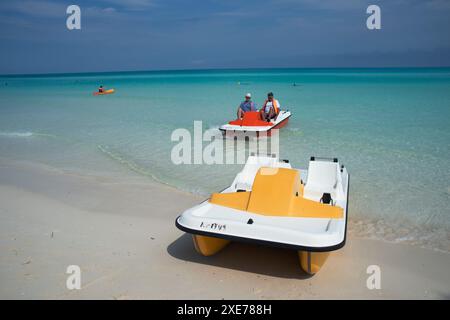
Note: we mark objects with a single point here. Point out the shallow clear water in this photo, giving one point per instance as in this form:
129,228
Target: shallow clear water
391,128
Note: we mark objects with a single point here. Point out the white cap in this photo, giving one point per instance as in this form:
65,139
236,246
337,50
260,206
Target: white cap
248,95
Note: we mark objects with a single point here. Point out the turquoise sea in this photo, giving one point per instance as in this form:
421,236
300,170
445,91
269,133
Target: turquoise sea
390,127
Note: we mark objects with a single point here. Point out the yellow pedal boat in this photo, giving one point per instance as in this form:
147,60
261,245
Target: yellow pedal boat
273,204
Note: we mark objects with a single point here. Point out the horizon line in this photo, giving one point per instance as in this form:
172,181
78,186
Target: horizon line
214,69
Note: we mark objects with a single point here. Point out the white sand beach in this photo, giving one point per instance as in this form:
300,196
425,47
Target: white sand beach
123,237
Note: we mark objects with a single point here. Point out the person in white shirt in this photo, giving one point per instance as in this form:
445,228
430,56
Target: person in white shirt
270,108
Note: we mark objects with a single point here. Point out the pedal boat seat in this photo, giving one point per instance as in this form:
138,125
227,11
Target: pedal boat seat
277,192
250,119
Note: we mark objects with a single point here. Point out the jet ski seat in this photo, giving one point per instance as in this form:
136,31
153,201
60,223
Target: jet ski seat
276,192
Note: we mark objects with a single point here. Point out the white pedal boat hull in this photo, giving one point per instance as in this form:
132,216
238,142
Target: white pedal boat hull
281,121
304,234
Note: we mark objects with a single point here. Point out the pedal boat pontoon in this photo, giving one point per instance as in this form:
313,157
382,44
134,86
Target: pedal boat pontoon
252,123
270,203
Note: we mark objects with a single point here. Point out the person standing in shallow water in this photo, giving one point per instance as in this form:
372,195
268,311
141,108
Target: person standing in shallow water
245,106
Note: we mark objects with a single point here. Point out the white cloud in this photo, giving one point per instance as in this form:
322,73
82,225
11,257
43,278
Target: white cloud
109,9
335,5
99,12
132,4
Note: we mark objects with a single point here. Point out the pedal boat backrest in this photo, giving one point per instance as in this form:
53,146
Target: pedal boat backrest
323,178
277,192
244,180
250,119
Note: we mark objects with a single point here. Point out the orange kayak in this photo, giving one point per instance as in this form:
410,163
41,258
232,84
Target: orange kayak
104,92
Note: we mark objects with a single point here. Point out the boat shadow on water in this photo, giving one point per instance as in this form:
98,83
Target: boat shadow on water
275,262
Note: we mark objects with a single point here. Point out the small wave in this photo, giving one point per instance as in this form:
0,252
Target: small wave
401,232
16,134
25,134
294,131
129,164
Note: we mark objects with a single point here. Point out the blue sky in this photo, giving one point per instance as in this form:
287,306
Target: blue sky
178,34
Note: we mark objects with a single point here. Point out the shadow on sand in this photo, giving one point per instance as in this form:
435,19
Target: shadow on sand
262,260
